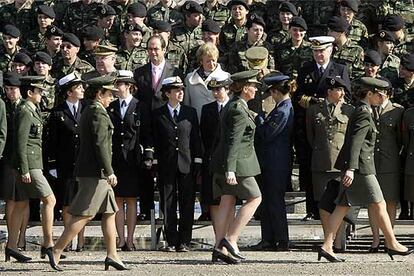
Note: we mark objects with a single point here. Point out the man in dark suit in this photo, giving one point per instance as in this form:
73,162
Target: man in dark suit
178,150
209,129
149,76
312,89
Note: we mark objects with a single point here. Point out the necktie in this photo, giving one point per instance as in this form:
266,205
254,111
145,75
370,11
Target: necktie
74,111
154,79
175,118
331,108
321,70
377,111
123,103
220,108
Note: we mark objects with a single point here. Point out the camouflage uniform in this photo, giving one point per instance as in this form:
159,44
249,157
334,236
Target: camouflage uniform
278,36
390,67
59,69
78,16
23,19
121,14
158,12
351,55
34,41
49,98
405,46
403,92
177,56
230,34
258,8
289,59
358,33
6,59
237,60
187,38
218,13
88,56
126,60
272,13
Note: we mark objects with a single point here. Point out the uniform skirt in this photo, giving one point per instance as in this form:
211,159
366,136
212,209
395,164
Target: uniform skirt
11,185
320,181
390,186
128,180
39,187
70,188
409,188
94,196
246,187
364,190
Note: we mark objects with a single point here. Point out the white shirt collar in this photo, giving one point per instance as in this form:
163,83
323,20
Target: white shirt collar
223,103
127,100
158,67
171,109
72,104
384,104
323,65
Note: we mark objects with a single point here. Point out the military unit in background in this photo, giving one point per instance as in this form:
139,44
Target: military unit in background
310,41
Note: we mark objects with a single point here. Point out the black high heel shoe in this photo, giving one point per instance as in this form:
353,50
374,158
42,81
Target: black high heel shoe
49,253
329,257
373,249
8,252
228,259
109,262
43,253
225,243
392,252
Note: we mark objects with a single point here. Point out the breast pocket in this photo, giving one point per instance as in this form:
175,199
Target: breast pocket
35,131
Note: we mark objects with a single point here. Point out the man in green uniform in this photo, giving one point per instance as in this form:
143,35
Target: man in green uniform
92,38
53,41
11,37
42,64
18,13
105,58
212,9
35,39
385,41
165,10
404,86
131,54
358,32
106,19
79,15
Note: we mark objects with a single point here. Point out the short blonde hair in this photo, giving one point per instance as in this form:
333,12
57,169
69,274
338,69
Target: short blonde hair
207,49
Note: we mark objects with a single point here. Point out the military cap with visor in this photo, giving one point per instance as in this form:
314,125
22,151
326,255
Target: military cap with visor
35,82
375,84
104,82
257,57
249,76
321,42
219,80
171,82
69,80
105,50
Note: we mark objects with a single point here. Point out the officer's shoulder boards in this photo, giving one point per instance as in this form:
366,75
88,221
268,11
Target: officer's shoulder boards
397,105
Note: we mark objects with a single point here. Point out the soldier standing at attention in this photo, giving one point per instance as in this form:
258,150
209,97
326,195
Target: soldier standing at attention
92,37
131,54
137,14
35,39
384,42
11,37
234,30
279,31
20,14
106,19
346,51
165,10
53,41
357,32
70,62
212,9
95,174
403,39
105,57
80,14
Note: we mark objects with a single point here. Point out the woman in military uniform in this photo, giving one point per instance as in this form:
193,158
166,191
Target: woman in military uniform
132,147
235,165
356,161
274,151
95,175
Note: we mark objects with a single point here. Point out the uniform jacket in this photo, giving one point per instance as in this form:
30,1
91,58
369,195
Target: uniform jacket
273,138
27,138
209,128
143,78
177,144
358,150
64,139
132,138
389,142
408,140
326,133
95,151
235,150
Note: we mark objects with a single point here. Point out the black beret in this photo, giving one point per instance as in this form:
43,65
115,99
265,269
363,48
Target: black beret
298,22
137,9
288,7
337,81
11,30
11,79
52,30
162,26
105,10
42,57
254,18
238,2
352,4
209,25
133,27
71,38
384,35
22,58
407,62
192,7
373,57
93,33
46,10
393,23
338,24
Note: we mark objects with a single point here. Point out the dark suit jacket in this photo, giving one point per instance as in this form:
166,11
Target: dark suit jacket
176,143
143,78
64,139
132,138
209,128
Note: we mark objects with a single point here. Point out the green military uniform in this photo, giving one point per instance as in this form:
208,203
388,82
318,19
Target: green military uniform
186,37
59,69
34,41
177,56
6,58
78,16
278,35
23,18
218,13
289,59
158,12
351,55
230,34
358,33
408,142
389,68
49,96
121,14
406,46
403,93
130,60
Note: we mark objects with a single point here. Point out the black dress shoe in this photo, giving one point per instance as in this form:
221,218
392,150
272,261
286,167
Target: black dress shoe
228,259
49,253
283,246
263,246
182,248
8,252
373,249
118,266
204,217
309,216
392,252
225,243
80,248
43,253
168,248
329,257
143,217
